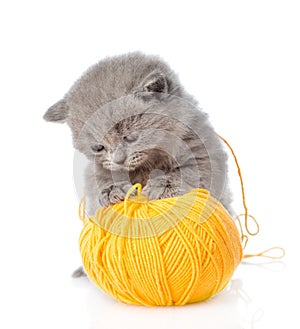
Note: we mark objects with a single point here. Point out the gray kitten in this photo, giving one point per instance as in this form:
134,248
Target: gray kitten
134,121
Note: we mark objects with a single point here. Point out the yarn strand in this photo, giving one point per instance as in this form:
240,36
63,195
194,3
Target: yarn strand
266,255
81,210
240,176
246,215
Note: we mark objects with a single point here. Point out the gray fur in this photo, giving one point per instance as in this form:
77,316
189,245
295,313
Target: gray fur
151,129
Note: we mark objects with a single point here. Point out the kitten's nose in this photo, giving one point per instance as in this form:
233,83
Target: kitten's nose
119,156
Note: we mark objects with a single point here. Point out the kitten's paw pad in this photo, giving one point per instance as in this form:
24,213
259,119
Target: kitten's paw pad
116,195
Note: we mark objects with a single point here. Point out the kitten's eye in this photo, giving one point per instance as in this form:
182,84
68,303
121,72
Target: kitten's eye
130,138
97,148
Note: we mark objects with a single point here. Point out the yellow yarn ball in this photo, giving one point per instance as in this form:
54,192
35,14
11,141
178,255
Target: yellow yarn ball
161,252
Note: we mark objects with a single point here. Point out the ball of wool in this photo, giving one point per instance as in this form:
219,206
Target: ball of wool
161,252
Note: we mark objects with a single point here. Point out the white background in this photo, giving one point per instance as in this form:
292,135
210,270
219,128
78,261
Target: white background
241,61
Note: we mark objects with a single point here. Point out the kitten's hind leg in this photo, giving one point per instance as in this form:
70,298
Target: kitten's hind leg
78,273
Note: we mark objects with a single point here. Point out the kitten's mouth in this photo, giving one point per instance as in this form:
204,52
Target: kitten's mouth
111,166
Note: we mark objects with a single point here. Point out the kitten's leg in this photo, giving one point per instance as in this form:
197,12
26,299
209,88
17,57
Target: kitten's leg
113,193
103,188
78,273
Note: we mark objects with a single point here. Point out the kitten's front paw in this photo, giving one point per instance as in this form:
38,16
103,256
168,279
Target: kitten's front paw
113,194
162,187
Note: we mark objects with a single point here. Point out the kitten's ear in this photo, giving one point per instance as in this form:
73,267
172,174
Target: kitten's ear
155,82
57,112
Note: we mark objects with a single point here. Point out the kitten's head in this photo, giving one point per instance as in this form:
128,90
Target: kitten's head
139,135
115,111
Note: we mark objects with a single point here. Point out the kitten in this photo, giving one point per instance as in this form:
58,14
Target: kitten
134,122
